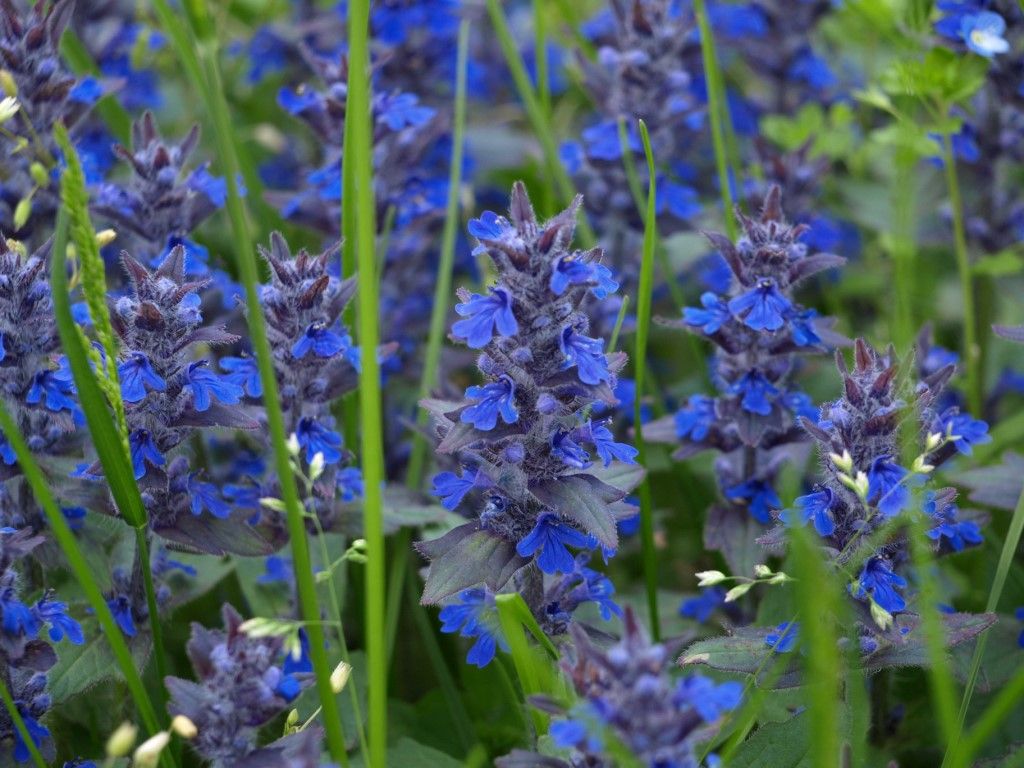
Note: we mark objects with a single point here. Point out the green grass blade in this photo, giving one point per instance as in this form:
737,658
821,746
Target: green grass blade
535,112
534,674
1013,536
716,107
359,158
109,108
443,287
643,323
1000,708
19,723
540,56
206,77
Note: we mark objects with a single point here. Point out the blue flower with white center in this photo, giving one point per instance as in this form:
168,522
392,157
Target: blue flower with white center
317,438
36,731
759,496
483,314
784,638
245,373
452,488
548,540
569,451
763,307
52,390
701,607
965,430
321,341
814,506
878,581
492,399
205,496
714,315
143,452
349,482
756,391
586,354
55,614
802,329
136,375
205,385
886,488
983,33
695,419
607,448
404,111
710,699
121,607
475,616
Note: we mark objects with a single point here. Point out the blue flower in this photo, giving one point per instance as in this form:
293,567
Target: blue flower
800,404
475,616
490,226
54,390
452,488
494,398
320,340
7,452
215,188
760,497
945,514
817,507
756,391
136,375
784,638
568,270
18,618
404,111
276,570
701,607
983,33
350,483
483,314
568,734
143,451
121,607
710,699
965,430
607,449
206,496
878,581
551,537
245,373
810,68
36,731
87,91
598,588
763,307
714,315
802,329
695,419
206,385
680,200
572,454
316,438
586,354
55,614
603,143
886,488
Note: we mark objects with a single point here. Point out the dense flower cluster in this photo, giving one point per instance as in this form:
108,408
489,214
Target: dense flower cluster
626,693
526,438
761,333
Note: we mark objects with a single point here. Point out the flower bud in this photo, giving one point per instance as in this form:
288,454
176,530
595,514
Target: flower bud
184,727
709,578
738,591
7,83
22,211
37,171
122,740
148,753
762,571
339,677
316,466
105,237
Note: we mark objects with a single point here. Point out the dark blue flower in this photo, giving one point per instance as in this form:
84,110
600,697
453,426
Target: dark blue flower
144,451
349,482
572,454
878,581
714,315
680,200
756,391
586,354
483,314
810,68
802,329
784,638
607,448
598,588
965,430
800,404
121,607
316,438
568,270
763,307
550,538
814,506
53,390
7,452
137,375
36,731
206,496
475,616
701,607
18,618
55,613
206,385
245,373
87,91
320,340
948,525
695,419
568,734
886,488
710,699
452,488
760,497
603,143
276,570
215,188
492,399
490,226
403,110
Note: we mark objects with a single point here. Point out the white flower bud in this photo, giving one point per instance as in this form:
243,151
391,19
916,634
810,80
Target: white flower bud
339,677
122,740
709,578
184,727
148,752
738,591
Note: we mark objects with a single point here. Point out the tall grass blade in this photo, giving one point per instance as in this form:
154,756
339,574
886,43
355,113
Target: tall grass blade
1002,706
535,675
643,323
206,76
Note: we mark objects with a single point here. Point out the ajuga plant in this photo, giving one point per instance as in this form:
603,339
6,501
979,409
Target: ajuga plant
864,486
161,203
760,333
640,74
315,363
40,93
244,681
627,696
525,438
25,655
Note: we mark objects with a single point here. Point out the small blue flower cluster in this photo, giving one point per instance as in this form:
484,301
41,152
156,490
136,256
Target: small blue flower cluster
626,694
527,437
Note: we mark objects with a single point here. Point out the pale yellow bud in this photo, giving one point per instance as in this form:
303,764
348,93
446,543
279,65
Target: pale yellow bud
148,752
7,83
184,727
339,677
122,740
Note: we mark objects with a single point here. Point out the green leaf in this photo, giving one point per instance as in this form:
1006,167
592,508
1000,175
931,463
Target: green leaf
1000,264
578,497
745,652
780,745
81,667
411,754
467,557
